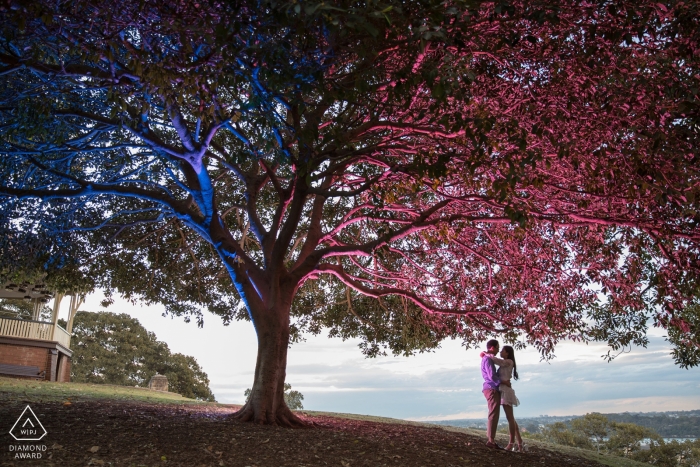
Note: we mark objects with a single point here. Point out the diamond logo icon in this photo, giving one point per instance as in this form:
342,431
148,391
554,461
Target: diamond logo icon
28,427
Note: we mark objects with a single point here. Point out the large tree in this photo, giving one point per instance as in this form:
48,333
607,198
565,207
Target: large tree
402,171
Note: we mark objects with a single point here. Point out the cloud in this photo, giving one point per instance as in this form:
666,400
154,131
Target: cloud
454,416
639,404
576,382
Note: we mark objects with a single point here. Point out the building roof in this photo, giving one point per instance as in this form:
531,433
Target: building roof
25,290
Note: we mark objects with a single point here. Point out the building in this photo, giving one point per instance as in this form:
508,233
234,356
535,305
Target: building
31,347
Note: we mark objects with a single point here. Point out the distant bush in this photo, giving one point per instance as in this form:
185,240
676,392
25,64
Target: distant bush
671,454
560,433
625,438
620,439
291,398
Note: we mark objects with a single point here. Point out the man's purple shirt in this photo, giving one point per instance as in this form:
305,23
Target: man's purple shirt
488,372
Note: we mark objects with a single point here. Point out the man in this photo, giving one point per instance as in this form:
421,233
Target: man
491,392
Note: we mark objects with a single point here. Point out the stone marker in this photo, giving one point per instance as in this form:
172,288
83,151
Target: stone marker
158,383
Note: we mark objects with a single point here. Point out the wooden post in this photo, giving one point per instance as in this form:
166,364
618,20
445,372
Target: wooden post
54,313
75,303
37,307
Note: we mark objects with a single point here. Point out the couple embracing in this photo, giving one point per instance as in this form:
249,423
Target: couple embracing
498,392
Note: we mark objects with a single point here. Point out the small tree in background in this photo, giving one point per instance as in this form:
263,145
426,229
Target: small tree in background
186,377
593,426
626,438
111,348
560,433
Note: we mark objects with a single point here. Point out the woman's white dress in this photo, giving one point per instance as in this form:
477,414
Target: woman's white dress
505,373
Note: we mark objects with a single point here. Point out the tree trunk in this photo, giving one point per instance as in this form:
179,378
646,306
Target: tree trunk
266,403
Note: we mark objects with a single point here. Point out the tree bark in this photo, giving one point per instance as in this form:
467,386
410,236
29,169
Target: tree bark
266,403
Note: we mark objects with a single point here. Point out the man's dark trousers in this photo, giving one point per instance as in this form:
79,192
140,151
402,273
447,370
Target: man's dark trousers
493,398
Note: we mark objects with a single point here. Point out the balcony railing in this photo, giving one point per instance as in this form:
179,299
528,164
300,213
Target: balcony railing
61,336
39,330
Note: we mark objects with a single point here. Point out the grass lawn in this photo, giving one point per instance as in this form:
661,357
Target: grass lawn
45,391
105,425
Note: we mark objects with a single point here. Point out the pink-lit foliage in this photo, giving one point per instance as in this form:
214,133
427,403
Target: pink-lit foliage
562,168
400,174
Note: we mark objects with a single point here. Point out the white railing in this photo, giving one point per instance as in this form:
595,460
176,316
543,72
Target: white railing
62,337
39,330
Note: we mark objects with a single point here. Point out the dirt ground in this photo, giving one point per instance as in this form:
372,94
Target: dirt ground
124,433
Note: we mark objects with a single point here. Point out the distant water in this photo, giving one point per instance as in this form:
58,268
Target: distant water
668,440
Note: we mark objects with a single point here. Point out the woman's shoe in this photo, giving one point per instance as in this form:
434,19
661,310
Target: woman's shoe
509,447
520,447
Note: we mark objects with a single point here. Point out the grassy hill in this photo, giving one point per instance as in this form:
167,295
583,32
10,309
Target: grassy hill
604,459
103,425
44,391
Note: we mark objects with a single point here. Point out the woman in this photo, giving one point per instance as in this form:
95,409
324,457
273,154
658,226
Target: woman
508,369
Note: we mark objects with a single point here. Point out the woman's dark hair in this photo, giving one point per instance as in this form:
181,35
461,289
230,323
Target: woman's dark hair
511,356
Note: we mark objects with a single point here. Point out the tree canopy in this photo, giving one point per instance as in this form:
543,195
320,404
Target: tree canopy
22,309
403,172
110,348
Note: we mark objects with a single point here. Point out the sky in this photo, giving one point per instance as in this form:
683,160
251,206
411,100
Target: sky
334,376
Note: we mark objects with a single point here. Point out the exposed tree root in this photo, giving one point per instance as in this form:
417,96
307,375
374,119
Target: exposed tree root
281,417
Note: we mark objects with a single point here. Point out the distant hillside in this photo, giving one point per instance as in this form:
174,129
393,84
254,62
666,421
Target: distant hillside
529,423
667,424
679,424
